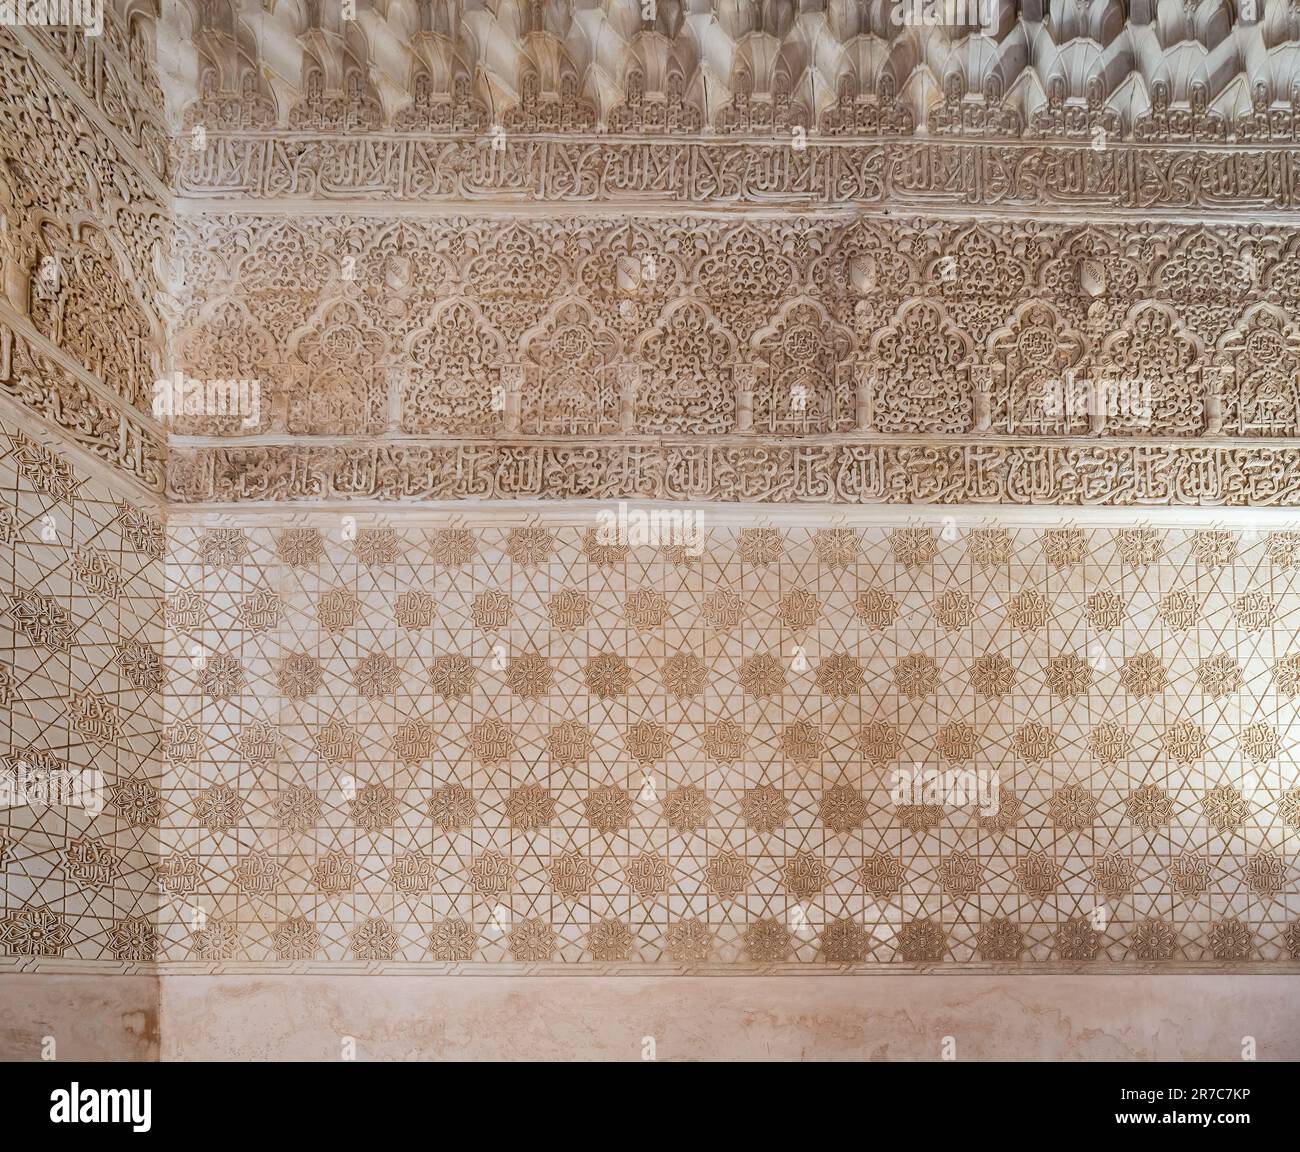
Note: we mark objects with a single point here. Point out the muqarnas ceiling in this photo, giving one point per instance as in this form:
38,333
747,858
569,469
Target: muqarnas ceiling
1174,70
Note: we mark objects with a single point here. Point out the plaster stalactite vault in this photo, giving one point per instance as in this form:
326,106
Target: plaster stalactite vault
960,365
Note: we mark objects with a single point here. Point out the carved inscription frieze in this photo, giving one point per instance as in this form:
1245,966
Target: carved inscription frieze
911,173
1128,475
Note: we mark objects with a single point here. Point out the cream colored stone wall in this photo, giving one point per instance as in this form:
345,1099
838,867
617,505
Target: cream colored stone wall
88,1015
902,1017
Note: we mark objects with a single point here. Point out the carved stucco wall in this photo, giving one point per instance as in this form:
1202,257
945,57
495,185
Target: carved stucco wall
627,243
84,235
84,232
620,249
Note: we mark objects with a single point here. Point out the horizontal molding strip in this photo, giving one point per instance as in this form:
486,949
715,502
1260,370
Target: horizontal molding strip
57,439
725,440
56,965
1124,475
197,208
23,329
912,174
113,436
568,513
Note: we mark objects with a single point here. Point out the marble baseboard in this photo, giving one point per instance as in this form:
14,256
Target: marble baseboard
88,1016
729,1018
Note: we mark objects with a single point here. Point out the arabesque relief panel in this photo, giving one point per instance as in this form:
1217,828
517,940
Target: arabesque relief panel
812,359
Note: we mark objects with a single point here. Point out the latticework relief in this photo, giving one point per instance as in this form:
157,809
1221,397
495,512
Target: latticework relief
81,687
942,328
75,287
528,745
62,173
117,71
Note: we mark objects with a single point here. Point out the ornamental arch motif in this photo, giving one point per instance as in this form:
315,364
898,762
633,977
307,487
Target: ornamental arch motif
919,366
686,360
1036,364
805,381
1157,361
1260,395
451,380
340,374
568,381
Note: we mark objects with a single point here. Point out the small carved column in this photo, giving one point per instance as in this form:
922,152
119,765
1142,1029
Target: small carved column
1099,393
983,381
281,390
290,402
13,280
397,377
1098,401
629,384
1217,380
512,387
865,376
744,376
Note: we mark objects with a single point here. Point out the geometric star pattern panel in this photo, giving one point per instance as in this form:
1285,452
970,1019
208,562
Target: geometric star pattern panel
529,744
81,680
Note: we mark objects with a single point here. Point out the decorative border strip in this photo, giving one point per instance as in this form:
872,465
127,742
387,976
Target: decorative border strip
53,965
918,174
580,514
41,44
1020,474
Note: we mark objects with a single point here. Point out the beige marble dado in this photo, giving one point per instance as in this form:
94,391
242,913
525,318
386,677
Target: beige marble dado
89,1017
896,1017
